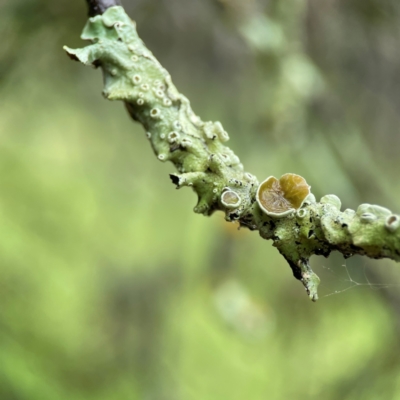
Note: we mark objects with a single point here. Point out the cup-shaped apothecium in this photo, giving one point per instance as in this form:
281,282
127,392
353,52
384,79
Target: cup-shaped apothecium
278,198
230,199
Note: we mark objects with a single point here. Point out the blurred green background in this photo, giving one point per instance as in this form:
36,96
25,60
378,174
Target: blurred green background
112,288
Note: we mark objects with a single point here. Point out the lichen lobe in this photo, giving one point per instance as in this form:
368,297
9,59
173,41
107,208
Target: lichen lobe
283,210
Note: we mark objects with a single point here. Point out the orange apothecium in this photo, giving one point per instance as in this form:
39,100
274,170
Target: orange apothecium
278,198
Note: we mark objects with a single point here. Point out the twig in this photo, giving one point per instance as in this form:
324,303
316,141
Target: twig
281,210
98,7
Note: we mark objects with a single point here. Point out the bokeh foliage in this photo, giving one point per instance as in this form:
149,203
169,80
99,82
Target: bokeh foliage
110,286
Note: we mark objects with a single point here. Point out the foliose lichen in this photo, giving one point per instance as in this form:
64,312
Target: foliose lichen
283,210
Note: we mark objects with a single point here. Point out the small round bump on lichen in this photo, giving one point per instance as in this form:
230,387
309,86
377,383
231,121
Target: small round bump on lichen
367,217
109,23
185,142
131,48
230,199
215,190
148,135
157,82
135,58
140,102
195,119
249,176
348,213
155,113
378,211
173,137
331,199
161,157
113,72
177,125
145,87
278,198
162,136
136,79
141,94
167,102
220,131
392,223
160,93
301,213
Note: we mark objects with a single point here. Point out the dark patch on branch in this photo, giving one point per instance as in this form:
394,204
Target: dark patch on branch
97,7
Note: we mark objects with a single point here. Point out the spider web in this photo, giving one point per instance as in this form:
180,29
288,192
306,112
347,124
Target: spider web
353,276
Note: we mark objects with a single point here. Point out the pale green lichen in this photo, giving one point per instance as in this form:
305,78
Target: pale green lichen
392,223
132,74
230,199
331,199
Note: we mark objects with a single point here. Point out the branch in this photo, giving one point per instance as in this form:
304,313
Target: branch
282,210
98,7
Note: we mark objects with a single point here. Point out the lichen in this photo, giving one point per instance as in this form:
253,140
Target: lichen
196,148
